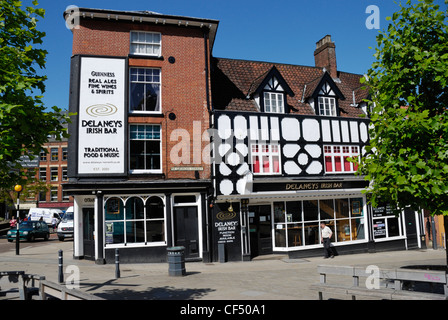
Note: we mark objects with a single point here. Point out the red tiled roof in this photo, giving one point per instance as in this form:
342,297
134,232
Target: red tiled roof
233,83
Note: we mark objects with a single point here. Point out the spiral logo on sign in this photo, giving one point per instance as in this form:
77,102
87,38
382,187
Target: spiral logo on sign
225,215
101,110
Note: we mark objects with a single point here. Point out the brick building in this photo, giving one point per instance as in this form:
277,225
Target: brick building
54,172
146,175
140,87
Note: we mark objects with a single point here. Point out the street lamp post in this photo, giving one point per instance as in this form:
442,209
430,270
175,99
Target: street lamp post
18,188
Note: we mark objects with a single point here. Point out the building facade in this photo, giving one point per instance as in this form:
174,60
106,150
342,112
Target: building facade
140,88
285,136
228,158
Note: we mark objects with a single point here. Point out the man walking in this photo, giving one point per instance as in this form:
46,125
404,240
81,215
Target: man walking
326,240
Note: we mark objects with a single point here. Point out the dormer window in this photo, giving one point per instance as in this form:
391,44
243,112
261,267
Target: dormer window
327,106
324,95
274,97
270,91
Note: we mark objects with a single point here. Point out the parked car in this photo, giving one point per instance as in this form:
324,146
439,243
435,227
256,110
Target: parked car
65,227
30,230
47,215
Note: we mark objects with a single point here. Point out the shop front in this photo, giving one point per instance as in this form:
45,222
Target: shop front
285,218
141,222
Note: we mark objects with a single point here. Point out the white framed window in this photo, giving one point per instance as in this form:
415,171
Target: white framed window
146,43
145,149
144,90
274,102
327,106
336,159
265,158
135,220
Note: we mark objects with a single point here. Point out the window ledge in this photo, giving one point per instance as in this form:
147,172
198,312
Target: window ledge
142,56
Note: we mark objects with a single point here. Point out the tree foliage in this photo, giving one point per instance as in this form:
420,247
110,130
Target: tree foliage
407,158
25,122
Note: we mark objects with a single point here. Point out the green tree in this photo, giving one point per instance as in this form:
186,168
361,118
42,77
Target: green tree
407,159
25,122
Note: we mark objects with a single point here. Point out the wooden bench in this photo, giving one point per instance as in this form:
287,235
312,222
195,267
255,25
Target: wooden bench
27,287
391,281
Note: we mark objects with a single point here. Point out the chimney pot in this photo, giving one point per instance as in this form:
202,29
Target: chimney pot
325,55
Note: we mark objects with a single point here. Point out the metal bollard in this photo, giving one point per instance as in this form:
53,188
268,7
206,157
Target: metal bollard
61,272
117,264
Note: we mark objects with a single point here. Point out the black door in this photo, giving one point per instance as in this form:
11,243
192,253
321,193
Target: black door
260,228
88,228
411,228
186,230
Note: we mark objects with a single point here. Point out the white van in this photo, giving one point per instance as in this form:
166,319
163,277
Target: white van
47,215
65,227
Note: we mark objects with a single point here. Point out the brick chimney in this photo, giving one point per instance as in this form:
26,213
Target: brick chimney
325,55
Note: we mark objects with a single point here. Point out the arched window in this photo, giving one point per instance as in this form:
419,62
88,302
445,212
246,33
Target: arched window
135,219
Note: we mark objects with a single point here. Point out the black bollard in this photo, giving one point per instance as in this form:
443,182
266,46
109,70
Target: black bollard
117,264
61,273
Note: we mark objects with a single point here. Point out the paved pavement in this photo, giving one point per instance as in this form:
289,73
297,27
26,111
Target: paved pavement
272,278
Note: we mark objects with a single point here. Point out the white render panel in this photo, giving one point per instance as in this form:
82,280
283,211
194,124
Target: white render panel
291,167
275,130
253,125
264,128
336,132
290,150
345,133
233,159
303,159
226,187
242,148
224,127
326,131
311,130
240,127
290,129
224,169
314,168
314,150
243,169
354,131
363,131
223,149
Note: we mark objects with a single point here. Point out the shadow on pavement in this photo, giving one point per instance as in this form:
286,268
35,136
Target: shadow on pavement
162,293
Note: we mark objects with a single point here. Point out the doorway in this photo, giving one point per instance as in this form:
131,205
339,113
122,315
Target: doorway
186,230
88,230
411,228
260,229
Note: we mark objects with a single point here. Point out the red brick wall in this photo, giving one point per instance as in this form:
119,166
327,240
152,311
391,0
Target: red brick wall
183,83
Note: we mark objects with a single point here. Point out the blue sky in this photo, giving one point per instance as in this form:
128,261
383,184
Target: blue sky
284,31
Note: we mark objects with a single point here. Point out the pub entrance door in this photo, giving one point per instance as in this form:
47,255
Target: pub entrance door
260,229
88,231
411,228
186,230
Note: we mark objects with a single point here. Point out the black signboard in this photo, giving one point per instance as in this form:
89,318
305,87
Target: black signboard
227,229
309,186
382,210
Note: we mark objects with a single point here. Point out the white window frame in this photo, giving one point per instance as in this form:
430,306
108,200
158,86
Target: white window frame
142,171
145,219
136,43
340,152
278,97
327,106
261,150
145,82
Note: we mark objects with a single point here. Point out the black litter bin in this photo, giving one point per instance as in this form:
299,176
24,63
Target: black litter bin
176,261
